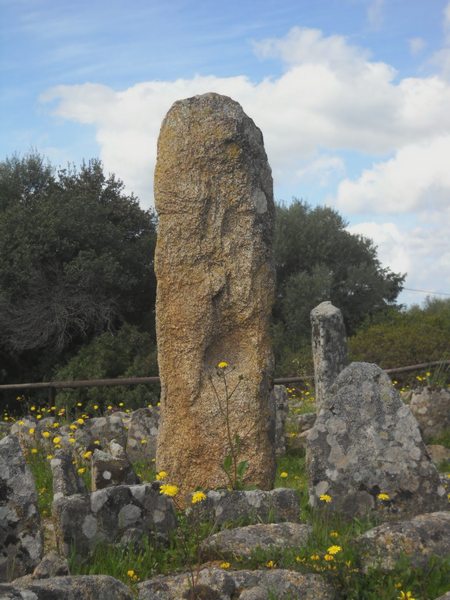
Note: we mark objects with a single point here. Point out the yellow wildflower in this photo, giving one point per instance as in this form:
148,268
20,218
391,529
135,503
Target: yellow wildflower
334,549
79,404
97,442
34,451
81,470
38,417
225,565
55,425
87,455
121,404
80,421
222,365
31,430
46,434
131,573
49,456
56,440
315,557
168,490
73,427
270,564
284,475
161,475
198,497
406,596
71,440
95,406
334,534
144,441
328,557
325,498
383,496
32,408
21,423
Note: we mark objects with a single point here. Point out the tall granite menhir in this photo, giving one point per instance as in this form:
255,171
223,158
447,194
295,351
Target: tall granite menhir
214,198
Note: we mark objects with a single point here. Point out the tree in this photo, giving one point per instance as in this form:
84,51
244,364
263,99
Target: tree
76,259
316,260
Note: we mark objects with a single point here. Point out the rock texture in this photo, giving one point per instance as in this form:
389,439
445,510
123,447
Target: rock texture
254,506
243,541
116,515
329,347
432,410
21,543
142,434
419,539
222,585
214,265
364,442
108,470
281,405
80,587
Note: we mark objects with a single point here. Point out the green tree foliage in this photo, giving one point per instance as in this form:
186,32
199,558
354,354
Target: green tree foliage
76,259
409,337
127,353
317,260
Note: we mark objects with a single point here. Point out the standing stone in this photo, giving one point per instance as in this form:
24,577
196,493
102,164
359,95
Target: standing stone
365,442
21,543
142,434
213,194
431,407
280,400
329,347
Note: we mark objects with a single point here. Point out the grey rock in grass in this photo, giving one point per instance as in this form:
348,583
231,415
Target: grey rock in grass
108,470
329,347
431,407
279,397
364,442
224,585
142,434
243,541
52,565
255,593
102,430
77,587
419,539
115,515
66,481
438,453
245,507
21,540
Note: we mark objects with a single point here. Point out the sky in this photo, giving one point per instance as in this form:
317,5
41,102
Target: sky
352,97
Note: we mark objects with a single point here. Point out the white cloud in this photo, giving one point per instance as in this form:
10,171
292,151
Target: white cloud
416,45
322,169
331,96
417,176
375,13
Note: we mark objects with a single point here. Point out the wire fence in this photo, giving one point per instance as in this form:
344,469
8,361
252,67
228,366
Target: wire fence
53,386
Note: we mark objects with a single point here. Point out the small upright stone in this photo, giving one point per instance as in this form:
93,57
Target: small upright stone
214,265
21,541
108,470
329,347
365,453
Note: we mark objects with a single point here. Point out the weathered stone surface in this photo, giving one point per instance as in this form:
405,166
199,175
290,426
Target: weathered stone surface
243,541
142,434
79,587
120,514
432,410
102,430
419,539
281,403
366,441
329,347
223,585
52,565
254,593
438,453
304,421
108,470
214,198
254,506
444,597
66,481
21,543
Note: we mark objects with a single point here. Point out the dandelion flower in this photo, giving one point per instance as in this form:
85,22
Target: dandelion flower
406,596
334,549
334,534
225,565
325,498
168,490
45,434
131,573
315,557
198,497
328,557
143,442
383,496
161,475
284,475
34,450
49,456
80,421
222,365
56,440
81,470
270,564
87,455
31,430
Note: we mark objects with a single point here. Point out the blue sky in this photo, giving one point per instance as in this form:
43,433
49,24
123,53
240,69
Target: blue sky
352,97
